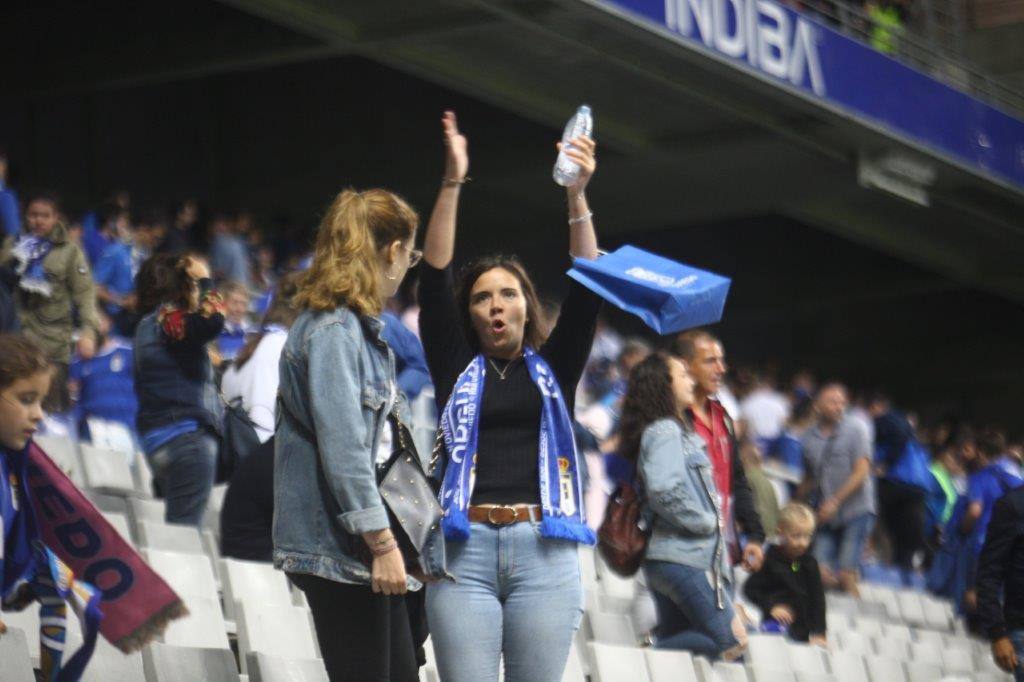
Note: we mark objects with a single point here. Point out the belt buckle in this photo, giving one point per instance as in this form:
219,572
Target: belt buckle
507,520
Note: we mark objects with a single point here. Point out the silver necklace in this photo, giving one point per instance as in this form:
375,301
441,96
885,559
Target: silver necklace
501,373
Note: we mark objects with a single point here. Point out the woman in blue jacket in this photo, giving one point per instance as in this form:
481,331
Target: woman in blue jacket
685,562
179,417
337,388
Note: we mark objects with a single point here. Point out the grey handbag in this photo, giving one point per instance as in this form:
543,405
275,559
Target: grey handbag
408,495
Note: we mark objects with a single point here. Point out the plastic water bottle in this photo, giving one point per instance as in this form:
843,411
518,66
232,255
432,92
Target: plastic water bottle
566,170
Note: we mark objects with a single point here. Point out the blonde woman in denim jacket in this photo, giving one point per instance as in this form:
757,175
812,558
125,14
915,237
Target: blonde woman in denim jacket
685,563
337,386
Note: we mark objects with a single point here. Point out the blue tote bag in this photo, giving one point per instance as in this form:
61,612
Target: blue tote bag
668,296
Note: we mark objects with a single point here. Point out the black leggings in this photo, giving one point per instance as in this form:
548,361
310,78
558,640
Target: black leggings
901,508
364,637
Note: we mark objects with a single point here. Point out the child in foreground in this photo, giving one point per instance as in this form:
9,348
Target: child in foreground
788,587
28,570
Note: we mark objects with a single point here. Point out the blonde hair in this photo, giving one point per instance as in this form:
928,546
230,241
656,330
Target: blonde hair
795,512
346,266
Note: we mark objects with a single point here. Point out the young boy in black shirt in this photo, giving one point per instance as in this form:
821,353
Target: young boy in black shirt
788,587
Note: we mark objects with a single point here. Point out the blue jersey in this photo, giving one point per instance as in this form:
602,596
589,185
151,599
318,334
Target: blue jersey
986,487
16,528
115,272
106,385
231,340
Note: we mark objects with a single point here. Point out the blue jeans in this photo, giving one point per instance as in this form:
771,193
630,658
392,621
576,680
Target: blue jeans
515,593
1017,637
688,613
184,469
841,547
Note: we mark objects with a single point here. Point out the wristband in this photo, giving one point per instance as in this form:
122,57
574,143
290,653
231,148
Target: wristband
452,182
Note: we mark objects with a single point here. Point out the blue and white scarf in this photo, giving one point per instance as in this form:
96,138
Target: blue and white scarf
561,490
30,252
30,571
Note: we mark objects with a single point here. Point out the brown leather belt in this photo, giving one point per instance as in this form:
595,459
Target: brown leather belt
504,514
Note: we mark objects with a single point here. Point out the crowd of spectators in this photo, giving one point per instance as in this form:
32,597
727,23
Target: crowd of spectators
886,489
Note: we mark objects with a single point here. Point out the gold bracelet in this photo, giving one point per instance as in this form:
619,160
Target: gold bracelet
452,182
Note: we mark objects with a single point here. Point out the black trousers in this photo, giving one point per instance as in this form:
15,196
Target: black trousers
364,637
901,509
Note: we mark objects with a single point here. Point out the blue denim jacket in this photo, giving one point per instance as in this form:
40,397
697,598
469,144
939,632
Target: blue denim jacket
335,373
680,499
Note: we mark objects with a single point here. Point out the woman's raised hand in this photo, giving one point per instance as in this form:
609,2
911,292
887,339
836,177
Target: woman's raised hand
456,154
581,150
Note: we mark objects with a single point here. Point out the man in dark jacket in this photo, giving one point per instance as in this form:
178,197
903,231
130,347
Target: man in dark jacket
1001,575
705,358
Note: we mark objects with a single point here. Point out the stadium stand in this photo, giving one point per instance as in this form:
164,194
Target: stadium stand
889,635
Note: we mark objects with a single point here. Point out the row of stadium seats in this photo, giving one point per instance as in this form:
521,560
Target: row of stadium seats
250,608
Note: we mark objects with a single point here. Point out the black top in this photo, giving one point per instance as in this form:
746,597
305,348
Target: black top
1001,568
509,427
796,584
247,517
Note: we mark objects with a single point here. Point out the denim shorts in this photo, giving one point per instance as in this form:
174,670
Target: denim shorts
841,547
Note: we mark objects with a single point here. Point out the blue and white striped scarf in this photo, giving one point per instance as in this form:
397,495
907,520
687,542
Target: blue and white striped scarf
30,252
561,490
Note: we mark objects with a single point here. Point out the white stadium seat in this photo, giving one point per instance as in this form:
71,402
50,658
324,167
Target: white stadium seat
285,631
897,631
169,537
892,648
253,582
854,642
266,668
612,628
921,671
848,666
882,669
165,663
573,667
64,453
107,470
190,575
120,524
203,627
670,666
17,664
612,663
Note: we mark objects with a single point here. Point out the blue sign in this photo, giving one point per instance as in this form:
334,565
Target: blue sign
827,66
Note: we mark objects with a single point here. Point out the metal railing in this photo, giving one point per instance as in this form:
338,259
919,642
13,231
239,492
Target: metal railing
931,40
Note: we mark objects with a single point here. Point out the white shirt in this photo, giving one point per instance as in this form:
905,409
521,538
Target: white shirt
256,382
765,412
385,447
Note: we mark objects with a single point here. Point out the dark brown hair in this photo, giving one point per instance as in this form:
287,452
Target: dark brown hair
535,332
649,397
164,278
19,359
281,311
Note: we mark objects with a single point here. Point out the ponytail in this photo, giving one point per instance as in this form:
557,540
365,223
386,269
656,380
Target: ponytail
346,265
